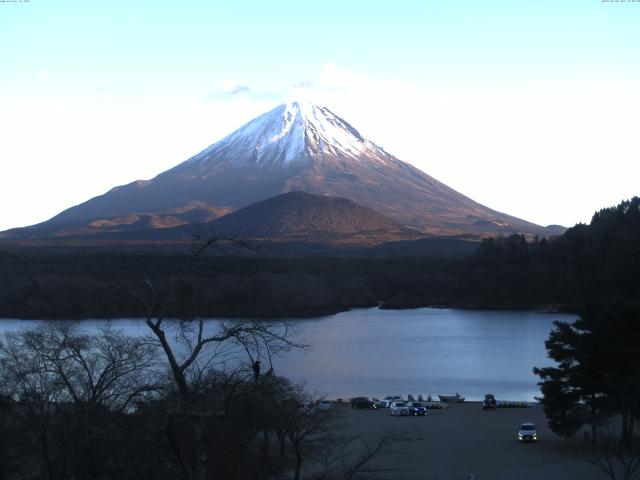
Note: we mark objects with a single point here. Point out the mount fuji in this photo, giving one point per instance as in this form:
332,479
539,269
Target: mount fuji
294,147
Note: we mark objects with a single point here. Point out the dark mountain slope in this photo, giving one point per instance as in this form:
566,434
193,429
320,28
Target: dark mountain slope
298,214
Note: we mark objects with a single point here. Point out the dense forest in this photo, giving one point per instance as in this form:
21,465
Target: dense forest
589,263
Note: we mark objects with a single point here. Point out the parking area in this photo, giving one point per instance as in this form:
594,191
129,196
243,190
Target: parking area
454,442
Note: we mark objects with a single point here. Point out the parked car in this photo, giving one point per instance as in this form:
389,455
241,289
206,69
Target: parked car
306,408
362,403
417,408
324,405
389,399
528,433
399,408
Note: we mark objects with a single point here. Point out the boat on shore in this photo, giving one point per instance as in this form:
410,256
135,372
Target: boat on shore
451,398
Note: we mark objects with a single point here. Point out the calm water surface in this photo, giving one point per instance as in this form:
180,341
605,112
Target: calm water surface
420,351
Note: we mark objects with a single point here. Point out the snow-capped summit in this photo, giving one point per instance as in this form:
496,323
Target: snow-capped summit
292,132
295,146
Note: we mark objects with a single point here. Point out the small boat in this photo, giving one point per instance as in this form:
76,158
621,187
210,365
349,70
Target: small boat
451,398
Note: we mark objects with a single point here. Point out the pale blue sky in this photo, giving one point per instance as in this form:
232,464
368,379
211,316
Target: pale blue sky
97,93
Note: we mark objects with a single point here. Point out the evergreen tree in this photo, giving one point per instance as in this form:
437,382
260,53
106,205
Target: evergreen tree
597,373
621,325
573,391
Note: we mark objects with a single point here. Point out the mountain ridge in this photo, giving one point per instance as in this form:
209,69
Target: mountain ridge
301,147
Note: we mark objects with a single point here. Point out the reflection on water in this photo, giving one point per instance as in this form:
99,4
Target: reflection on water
421,351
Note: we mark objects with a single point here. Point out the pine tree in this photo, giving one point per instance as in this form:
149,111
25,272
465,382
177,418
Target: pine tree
597,374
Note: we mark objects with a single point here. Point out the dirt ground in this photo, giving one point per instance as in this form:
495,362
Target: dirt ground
462,439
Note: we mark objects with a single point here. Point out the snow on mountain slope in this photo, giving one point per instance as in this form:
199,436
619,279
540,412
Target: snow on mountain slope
306,147
287,134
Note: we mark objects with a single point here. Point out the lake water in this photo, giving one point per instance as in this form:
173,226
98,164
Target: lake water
424,351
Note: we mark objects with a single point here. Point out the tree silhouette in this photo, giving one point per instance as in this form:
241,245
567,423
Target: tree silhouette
597,374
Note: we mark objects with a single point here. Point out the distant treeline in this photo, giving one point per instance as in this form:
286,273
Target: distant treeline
589,263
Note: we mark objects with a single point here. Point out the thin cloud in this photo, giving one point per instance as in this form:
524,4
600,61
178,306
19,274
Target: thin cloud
232,87
304,84
239,89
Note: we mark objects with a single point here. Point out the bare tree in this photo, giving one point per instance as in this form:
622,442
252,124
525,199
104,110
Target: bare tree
186,355
349,458
190,350
109,369
615,459
66,385
305,430
38,394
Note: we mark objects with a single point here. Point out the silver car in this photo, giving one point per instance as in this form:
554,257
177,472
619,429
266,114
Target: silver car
399,408
528,433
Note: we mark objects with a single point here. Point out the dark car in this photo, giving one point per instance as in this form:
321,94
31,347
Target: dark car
417,408
362,403
306,408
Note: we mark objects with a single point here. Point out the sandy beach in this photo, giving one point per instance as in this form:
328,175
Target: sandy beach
463,439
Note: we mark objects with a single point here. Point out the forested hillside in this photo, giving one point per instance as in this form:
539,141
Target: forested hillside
589,263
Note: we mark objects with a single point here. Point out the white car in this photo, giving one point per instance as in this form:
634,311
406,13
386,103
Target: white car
527,433
388,400
399,408
324,405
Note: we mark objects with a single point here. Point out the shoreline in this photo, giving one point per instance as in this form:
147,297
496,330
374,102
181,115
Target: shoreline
548,310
